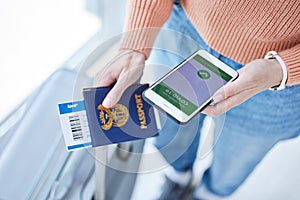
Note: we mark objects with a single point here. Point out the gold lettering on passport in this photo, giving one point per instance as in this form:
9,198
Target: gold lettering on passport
116,116
140,110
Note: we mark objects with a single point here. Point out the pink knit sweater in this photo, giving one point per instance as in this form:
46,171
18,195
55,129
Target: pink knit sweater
240,30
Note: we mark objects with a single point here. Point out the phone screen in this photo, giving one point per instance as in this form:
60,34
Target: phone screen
192,84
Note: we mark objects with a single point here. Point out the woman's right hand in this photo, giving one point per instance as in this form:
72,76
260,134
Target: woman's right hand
124,70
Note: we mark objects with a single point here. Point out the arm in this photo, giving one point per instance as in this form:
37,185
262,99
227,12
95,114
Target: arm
143,22
256,77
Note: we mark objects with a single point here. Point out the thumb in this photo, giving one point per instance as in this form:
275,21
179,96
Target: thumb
228,90
115,94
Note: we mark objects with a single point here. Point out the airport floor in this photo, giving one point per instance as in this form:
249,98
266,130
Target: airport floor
277,177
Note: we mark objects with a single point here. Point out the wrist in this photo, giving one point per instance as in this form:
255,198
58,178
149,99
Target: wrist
133,52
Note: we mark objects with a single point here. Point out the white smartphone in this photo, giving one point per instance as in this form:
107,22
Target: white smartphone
188,88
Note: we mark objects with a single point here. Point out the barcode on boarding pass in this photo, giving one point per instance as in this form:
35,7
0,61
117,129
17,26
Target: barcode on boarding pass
74,125
76,128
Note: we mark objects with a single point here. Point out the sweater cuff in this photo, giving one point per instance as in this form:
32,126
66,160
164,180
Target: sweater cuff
140,40
143,22
291,58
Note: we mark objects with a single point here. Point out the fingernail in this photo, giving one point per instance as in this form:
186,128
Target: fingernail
218,98
106,103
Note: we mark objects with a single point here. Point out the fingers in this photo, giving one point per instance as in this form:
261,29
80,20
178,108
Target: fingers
232,88
227,104
126,78
123,71
228,90
103,79
229,96
124,81
253,78
109,74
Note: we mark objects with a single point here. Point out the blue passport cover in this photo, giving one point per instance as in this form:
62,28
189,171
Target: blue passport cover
131,118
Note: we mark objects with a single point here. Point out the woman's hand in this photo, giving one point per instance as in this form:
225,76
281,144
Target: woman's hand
254,77
124,70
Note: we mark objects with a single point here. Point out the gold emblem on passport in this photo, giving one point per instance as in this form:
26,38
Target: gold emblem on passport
116,116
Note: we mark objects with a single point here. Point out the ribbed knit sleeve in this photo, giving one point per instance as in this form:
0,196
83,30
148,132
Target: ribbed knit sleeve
247,30
144,19
291,57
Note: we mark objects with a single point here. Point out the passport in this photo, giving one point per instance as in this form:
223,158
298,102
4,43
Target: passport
130,119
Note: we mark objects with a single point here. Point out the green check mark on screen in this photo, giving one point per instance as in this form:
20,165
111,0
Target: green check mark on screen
203,74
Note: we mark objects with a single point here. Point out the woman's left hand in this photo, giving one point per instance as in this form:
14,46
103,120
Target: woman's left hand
254,77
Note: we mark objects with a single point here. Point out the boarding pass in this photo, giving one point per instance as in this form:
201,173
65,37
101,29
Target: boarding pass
74,125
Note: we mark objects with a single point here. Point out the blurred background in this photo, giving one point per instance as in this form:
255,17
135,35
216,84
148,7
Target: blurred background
36,37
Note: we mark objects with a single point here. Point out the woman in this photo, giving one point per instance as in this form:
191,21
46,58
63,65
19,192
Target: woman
240,34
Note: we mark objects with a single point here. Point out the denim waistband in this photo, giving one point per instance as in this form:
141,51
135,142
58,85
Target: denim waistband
176,2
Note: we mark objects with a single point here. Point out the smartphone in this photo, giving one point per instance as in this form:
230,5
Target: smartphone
188,88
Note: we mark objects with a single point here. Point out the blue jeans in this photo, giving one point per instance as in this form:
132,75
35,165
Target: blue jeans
244,134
